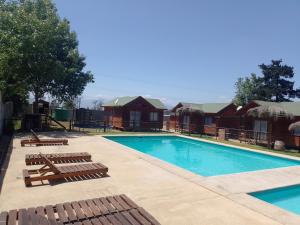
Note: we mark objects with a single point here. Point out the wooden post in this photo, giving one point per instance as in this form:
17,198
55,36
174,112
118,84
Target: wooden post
70,125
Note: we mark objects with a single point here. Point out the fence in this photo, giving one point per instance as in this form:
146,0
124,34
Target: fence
137,125
6,112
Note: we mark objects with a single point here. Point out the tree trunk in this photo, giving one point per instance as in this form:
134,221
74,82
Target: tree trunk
36,104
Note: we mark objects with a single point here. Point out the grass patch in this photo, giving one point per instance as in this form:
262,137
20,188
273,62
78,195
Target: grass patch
119,132
290,152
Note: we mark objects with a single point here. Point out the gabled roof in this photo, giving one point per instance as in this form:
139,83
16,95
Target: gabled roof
122,101
291,107
206,107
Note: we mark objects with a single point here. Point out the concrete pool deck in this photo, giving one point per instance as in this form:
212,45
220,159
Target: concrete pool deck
171,194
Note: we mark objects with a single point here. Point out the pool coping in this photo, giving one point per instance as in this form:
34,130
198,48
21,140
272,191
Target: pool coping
272,211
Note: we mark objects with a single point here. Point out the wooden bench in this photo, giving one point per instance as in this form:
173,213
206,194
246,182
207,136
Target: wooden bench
36,159
112,210
42,142
52,172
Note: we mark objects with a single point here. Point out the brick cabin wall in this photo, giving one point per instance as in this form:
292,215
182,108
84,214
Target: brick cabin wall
120,116
225,118
196,121
115,118
279,128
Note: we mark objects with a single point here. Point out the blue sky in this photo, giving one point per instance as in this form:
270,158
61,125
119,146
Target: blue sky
181,50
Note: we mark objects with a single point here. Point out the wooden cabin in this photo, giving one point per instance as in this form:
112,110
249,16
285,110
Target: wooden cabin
135,113
273,129
202,118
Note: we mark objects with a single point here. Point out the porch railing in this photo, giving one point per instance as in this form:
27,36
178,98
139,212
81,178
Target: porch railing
137,125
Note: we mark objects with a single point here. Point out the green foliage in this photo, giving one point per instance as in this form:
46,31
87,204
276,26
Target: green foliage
38,52
247,89
69,104
277,84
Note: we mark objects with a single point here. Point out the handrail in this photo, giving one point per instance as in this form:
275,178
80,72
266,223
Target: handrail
57,122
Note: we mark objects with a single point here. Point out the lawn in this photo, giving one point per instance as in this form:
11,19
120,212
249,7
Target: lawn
291,152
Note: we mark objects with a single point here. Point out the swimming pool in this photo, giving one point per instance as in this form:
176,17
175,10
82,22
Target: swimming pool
287,197
206,159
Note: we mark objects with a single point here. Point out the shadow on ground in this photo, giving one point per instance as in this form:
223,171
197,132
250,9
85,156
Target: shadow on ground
6,146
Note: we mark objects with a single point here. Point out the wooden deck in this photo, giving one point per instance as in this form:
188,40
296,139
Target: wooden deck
112,210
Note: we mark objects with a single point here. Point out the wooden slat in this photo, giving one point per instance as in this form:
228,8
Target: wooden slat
104,220
148,216
87,222
139,217
112,210
122,219
78,210
129,201
101,206
70,212
96,221
87,211
130,218
115,203
33,216
23,217
12,217
77,223
96,211
61,213
40,211
122,202
50,214
3,218
41,215
107,205
113,219
42,220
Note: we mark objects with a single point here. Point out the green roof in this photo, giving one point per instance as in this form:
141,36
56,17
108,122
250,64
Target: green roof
291,107
121,101
206,107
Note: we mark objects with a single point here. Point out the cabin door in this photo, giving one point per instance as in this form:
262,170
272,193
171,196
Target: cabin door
186,122
135,119
261,129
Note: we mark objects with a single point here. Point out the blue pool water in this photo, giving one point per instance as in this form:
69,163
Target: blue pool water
287,197
200,157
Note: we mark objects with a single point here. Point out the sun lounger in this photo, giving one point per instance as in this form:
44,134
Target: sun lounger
35,140
36,159
52,172
112,210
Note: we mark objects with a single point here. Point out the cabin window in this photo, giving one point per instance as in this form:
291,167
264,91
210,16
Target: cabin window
135,119
297,132
153,116
208,120
186,122
260,129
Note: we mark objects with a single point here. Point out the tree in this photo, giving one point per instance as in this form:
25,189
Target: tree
277,84
39,53
247,89
69,104
97,104
11,85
